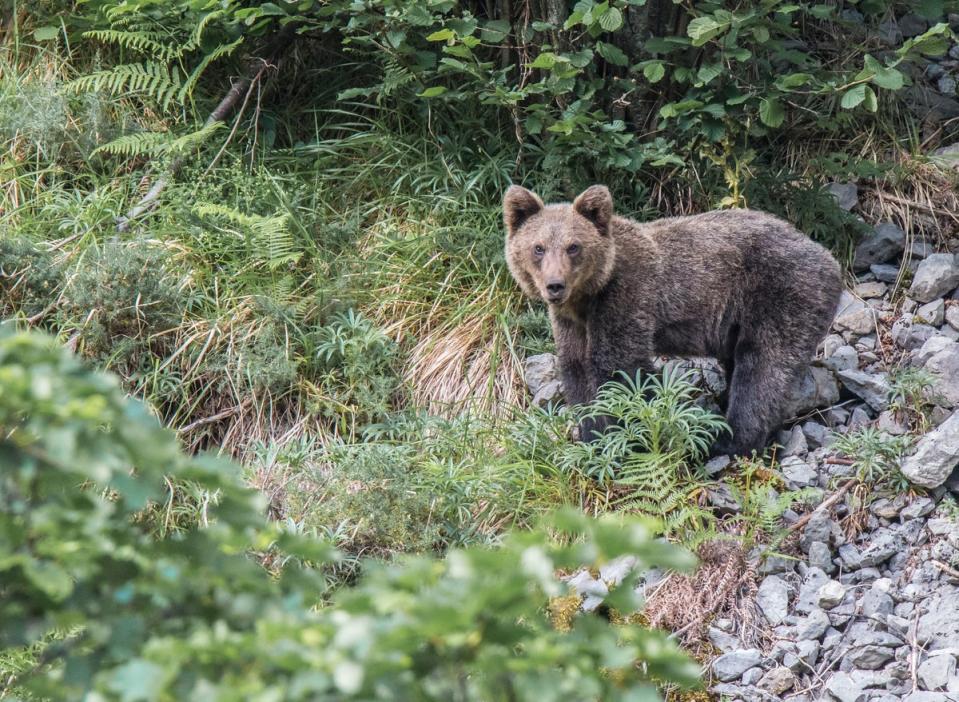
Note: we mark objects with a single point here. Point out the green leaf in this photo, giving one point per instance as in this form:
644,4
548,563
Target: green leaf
654,72
611,53
852,97
793,80
441,35
45,33
545,60
611,20
869,99
709,71
433,91
883,76
771,112
702,29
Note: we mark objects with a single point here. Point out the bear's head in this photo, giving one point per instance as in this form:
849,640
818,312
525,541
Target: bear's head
559,253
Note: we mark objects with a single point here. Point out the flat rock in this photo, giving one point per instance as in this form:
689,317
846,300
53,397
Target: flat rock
936,275
846,194
844,358
799,472
885,242
951,316
935,671
936,455
773,599
884,272
830,595
854,316
730,666
813,626
820,556
938,626
852,686
944,367
872,388
933,313
777,681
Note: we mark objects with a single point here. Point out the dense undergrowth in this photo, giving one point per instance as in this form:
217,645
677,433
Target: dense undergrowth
319,290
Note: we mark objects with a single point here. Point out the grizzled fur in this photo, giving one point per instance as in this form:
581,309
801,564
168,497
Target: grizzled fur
744,287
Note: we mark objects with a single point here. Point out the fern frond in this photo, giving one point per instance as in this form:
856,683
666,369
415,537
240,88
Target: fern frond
186,91
196,35
271,235
149,43
194,139
139,144
155,80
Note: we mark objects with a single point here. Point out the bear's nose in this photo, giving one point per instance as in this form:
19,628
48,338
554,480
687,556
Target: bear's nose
555,287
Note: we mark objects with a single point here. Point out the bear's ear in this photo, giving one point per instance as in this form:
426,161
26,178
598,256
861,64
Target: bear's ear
596,204
519,204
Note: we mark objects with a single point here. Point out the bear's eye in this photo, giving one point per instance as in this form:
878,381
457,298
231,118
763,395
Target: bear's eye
572,249
539,250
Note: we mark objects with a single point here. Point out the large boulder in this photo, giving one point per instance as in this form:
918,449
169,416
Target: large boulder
936,275
885,242
937,453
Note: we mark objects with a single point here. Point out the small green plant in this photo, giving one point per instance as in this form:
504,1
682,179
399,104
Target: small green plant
911,395
876,456
657,434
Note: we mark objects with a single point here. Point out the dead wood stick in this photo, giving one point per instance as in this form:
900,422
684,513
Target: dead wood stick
946,569
237,90
826,504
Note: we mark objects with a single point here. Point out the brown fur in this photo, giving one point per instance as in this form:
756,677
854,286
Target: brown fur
744,287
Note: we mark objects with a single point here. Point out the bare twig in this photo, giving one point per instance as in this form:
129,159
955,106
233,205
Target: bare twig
952,572
826,504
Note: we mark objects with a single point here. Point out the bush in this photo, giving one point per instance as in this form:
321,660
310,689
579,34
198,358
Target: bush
94,600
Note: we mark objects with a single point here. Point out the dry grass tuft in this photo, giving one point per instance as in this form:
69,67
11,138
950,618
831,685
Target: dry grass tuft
722,586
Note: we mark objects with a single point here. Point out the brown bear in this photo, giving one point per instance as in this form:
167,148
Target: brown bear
742,286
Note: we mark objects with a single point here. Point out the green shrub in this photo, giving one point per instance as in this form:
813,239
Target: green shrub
29,277
119,296
96,601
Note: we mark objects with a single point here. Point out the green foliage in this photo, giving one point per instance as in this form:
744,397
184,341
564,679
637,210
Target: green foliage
911,394
95,600
29,277
119,297
657,436
876,457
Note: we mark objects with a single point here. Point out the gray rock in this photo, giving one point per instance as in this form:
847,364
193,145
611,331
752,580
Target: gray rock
542,377
752,676
777,681
722,498
858,419
935,671
936,455
614,572
951,316
912,25
813,626
947,85
920,249
870,289
730,666
715,466
854,316
909,334
890,423
821,527
808,596
816,434
592,591
821,557
944,367
885,273
935,276
799,473
884,544
850,556
773,599
808,652
726,643
876,603
794,443
872,388
934,345
888,509
919,507
843,358
925,696
938,626
933,313
852,686
846,194
818,388
870,657
831,594
885,242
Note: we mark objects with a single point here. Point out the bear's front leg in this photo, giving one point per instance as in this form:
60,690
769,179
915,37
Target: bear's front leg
616,344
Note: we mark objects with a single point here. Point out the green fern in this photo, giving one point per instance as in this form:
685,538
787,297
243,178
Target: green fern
155,80
270,234
151,44
186,91
157,143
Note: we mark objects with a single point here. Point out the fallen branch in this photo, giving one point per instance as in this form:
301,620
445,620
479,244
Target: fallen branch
238,90
826,504
952,572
